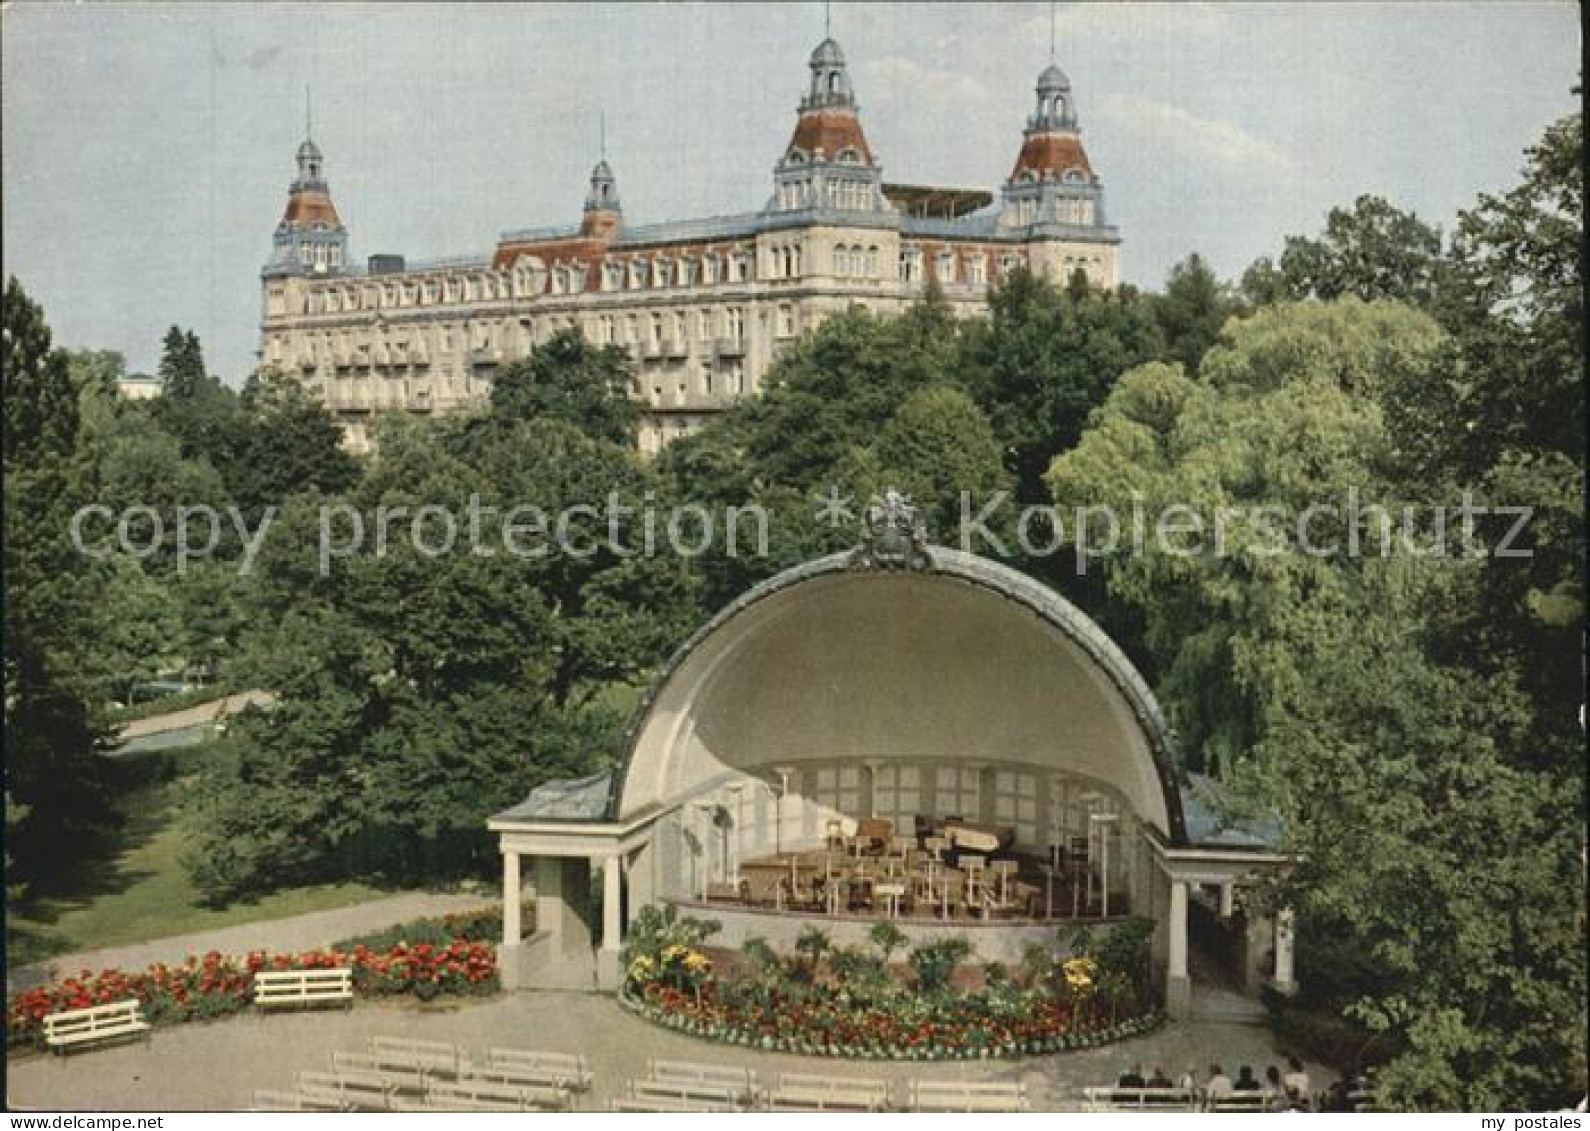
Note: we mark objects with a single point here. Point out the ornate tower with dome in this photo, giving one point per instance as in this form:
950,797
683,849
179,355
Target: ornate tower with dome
310,238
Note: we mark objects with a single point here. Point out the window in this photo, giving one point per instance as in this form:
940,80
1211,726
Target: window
910,265
706,378
871,268
842,261
837,789
734,323
612,277
946,266
955,792
687,272
786,321
604,330
1016,804
663,273
897,794
637,274
709,270
977,270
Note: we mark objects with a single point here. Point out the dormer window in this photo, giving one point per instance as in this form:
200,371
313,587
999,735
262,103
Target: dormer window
849,156
795,157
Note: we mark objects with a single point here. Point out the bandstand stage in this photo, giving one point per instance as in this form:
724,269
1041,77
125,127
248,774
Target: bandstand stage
902,732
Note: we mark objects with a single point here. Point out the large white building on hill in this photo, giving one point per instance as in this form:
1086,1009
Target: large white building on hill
702,306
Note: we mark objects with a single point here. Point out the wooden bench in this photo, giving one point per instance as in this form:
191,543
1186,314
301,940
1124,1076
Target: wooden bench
1110,1098
401,1079
742,1081
1255,1101
352,1090
435,1058
267,1100
962,1095
72,1028
274,988
659,1105
802,1092
684,1095
533,1068
487,1095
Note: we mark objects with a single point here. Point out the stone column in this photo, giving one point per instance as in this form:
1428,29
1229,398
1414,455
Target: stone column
1178,986
1228,899
511,929
511,961
607,957
1285,973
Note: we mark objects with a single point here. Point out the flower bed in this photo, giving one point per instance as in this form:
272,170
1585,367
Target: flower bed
851,1002
217,985
961,1029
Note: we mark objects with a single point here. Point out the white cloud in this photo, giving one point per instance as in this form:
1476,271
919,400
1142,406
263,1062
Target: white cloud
1173,129
904,79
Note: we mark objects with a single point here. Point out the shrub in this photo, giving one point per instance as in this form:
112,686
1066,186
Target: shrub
934,963
887,937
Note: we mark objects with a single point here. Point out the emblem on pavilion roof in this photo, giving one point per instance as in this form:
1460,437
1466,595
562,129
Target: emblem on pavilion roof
892,535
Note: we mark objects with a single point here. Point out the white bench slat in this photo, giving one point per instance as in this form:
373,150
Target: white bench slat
743,1080
685,1091
70,1027
956,1095
567,1069
850,1087
303,987
439,1058
662,1104
487,1096
406,1079
1111,1098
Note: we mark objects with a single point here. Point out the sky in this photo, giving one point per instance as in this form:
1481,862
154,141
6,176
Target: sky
148,148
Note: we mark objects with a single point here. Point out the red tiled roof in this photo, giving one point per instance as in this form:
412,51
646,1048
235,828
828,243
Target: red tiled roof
307,207
1053,153
830,131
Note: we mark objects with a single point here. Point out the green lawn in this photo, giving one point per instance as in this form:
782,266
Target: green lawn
144,893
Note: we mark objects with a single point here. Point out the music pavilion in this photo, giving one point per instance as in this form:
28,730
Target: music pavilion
902,731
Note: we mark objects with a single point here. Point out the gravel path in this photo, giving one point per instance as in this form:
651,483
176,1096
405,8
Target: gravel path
194,716
243,1053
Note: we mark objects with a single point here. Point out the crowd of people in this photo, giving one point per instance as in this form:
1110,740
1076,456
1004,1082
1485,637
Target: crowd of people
1291,1090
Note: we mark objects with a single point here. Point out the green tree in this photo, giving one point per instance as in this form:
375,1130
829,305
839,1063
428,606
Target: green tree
1192,311
936,448
193,404
1373,250
40,398
567,378
55,774
1045,359
287,443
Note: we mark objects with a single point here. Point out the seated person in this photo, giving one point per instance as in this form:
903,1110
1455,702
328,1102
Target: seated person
1132,1078
1246,1081
1159,1079
1296,1082
1219,1085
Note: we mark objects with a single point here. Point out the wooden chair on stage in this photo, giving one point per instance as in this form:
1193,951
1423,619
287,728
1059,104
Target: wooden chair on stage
874,834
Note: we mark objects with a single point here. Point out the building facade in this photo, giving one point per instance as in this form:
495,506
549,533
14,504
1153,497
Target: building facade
702,306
